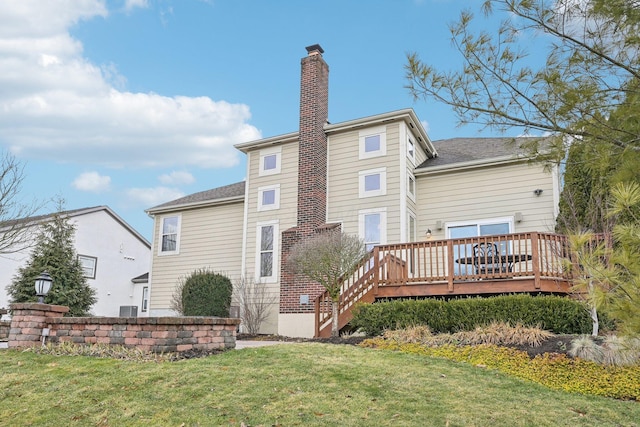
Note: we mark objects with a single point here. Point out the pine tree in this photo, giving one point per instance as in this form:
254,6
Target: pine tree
54,252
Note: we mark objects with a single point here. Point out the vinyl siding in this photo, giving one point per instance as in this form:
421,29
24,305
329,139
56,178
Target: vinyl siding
210,237
286,214
343,181
497,191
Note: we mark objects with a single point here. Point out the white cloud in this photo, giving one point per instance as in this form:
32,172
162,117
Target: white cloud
132,4
57,105
92,182
176,178
153,196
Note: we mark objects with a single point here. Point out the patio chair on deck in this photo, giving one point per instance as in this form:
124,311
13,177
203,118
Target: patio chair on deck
487,259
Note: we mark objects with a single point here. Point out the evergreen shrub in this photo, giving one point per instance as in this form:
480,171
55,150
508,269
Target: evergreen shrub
559,315
205,293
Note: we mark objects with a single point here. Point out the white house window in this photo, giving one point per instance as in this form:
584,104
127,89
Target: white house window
373,182
145,298
169,235
373,142
270,161
269,198
88,264
373,227
267,251
411,150
412,228
411,186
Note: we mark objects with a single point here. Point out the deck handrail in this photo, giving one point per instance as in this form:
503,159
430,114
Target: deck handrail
448,264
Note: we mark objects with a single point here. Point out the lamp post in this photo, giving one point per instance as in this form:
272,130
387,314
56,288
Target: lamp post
43,286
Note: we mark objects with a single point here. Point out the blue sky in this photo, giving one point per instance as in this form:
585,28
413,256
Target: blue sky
133,103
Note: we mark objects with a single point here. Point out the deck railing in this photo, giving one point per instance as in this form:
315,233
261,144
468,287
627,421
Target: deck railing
444,264
513,255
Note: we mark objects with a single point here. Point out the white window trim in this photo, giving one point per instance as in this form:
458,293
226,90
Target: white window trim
95,264
378,130
268,152
276,251
411,177
383,182
383,222
179,228
276,204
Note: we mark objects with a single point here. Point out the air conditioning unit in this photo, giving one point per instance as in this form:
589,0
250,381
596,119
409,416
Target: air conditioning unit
128,311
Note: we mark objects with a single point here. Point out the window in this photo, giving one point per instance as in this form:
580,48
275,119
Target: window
411,186
270,161
88,264
269,198
412,228
411,150
373,182
169,235
145,298
267,251
373,142
373,227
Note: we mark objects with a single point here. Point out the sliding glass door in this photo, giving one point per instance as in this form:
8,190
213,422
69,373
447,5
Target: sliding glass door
461,230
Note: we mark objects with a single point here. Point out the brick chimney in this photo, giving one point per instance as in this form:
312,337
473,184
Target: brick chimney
312,157
297,294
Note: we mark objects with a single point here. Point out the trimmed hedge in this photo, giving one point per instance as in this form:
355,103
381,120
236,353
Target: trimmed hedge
205,293
560,315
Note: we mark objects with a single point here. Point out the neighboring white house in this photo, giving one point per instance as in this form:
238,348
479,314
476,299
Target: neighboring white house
114,256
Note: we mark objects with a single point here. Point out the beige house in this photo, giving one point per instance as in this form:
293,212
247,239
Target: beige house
378,177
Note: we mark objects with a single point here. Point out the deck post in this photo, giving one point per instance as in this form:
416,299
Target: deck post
317,311
450,265
376,269
535,259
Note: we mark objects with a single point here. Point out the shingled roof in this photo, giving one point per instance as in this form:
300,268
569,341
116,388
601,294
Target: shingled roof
230,191
462,150
38,219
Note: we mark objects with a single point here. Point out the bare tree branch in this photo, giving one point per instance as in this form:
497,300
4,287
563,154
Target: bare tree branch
16,231
592,69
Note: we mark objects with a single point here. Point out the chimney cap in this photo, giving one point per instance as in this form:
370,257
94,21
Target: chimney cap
314,48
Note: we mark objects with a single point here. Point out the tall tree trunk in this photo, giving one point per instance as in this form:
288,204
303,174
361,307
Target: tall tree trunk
595,324
334,318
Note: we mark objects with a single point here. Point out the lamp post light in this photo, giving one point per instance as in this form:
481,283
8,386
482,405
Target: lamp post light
43,286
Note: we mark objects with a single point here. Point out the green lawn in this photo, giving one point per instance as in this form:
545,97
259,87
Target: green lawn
294,384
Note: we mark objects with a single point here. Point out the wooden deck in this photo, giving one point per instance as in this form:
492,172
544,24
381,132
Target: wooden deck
522,263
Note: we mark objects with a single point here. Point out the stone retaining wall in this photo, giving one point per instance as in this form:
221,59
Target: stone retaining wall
156,334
